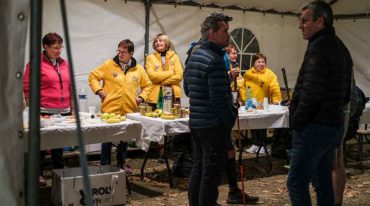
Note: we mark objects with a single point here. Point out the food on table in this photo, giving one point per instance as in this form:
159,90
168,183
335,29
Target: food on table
155,114
158,111
112,118
168,116
152,114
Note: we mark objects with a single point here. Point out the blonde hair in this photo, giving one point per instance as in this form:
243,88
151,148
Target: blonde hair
166,40
231,47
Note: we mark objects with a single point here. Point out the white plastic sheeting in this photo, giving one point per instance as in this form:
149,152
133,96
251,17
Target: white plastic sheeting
97,26
13,22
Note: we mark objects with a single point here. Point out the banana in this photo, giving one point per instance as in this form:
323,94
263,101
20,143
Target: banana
152,114
110,121
168,116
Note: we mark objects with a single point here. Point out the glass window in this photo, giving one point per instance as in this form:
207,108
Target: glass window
247,45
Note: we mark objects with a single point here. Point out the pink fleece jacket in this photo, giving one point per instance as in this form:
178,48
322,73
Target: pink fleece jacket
55,89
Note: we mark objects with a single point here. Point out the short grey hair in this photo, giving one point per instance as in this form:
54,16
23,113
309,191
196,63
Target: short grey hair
211,23
320,8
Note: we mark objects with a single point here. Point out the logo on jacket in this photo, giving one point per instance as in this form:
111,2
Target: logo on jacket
134,79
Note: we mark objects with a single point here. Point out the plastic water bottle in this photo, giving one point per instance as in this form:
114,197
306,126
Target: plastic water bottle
82,100
167,100
25,117
248,99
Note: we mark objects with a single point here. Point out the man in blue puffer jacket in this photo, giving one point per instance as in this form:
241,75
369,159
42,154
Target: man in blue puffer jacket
212,113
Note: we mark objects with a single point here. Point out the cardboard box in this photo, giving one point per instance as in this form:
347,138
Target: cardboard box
108,185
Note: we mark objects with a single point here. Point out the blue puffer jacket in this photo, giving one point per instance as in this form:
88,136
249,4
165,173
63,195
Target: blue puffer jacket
207,84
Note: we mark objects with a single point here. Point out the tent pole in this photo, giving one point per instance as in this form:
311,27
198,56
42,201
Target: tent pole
80,137
33,163
148,4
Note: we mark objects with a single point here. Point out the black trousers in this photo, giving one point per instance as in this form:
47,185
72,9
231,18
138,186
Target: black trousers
209,156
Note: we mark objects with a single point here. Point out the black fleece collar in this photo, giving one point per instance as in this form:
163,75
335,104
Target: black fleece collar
133,63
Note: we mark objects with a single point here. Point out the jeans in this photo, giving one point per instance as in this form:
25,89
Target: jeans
106,150
56,158
209,162
312,158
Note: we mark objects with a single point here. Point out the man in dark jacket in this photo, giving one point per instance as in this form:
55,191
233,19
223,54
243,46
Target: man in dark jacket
316,111
212,113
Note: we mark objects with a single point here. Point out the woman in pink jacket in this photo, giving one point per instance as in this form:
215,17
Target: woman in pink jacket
55,88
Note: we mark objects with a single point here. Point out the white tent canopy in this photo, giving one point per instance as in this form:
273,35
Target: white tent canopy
340,7
96,27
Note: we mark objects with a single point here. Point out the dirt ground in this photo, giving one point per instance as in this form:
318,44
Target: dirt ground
270,187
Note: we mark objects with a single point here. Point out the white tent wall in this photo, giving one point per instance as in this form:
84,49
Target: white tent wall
356,36
97,26
13,22
95,29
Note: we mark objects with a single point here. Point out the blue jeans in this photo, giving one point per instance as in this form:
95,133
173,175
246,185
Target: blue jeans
209,162
106,150
312,157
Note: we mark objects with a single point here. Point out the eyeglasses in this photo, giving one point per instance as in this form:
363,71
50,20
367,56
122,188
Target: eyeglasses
57,47
121,52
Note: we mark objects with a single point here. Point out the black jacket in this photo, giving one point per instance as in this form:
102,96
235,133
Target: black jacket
323,84
207,84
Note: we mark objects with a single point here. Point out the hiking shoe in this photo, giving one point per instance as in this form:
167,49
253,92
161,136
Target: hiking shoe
161,160
262,150
237,198
42,181
252,149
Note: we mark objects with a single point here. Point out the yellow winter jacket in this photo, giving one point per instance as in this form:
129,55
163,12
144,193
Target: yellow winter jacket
121,88
170,74
263,84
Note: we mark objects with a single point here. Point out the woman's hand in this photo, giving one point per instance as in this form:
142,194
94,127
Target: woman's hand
102,94
139,100
234,73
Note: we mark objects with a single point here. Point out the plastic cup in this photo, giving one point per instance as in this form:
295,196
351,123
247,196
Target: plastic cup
92,109
266,104
254,102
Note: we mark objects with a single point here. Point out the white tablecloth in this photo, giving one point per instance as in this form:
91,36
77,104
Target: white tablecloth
60,135
275,117
365,118
154,129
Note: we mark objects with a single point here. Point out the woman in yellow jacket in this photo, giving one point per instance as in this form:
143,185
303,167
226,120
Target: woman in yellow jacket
165,71
164,68
263,83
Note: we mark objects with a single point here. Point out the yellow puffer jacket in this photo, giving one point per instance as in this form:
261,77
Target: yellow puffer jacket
263,84
169,74
121,88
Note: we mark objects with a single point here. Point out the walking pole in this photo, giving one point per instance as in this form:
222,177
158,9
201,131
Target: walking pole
286,83
241,166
